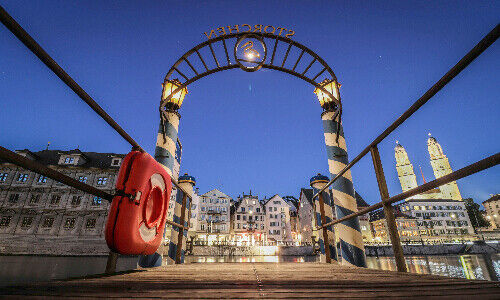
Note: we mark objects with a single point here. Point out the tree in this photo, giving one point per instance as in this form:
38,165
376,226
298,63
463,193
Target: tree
476,218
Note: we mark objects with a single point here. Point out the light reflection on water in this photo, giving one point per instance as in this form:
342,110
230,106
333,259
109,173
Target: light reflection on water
460,266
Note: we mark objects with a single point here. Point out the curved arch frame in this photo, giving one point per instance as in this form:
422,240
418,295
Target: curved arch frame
268,63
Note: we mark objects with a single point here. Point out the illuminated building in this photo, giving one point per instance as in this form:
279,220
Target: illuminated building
213,217
492,206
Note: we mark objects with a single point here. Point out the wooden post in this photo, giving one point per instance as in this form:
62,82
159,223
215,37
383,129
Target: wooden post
111,263
325,231
180,236
388,211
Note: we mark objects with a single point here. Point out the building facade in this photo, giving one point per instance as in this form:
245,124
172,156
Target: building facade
213,216
492,206
407,226
41,216
278,223
249,221
439,219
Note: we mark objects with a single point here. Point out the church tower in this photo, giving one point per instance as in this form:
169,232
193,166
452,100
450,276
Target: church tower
441,167
406,175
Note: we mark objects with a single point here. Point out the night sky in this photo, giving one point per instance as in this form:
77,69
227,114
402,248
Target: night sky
258,131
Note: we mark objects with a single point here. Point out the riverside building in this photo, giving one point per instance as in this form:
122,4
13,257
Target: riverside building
492,206
213,217
440,213
41,216
248,223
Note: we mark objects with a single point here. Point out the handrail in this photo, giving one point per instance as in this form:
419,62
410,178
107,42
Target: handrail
480,47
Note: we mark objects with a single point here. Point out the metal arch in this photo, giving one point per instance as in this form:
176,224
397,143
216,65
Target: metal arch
267,64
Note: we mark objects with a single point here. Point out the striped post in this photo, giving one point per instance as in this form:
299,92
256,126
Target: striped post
178,237
166,141
323,208
165,155
349,233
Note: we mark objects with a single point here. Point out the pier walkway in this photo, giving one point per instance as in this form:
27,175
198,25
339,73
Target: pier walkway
261,281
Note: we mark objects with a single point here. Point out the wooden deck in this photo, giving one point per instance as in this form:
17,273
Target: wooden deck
263,281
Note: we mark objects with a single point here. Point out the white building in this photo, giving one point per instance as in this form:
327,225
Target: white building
248,221
214,216
277,215
492,206
439,219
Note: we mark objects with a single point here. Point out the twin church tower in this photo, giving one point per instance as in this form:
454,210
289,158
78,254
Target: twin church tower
440,166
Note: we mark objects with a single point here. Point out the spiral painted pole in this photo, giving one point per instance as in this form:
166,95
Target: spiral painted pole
349,232
166,141
178,237
323,208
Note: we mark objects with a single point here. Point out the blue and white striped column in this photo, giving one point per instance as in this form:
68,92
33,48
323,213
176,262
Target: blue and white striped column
187,183
165,155
166,141
318,182
349,233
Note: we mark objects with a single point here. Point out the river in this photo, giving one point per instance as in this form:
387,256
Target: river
16,270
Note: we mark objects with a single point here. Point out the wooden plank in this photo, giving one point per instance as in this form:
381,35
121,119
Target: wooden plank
261,280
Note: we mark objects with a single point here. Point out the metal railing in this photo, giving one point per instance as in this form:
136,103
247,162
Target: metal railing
21,161
372,148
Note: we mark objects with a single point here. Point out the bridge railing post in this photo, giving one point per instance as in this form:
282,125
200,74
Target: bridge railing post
111,262
388,211
180,236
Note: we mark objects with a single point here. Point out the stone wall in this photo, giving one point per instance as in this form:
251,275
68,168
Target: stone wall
62,246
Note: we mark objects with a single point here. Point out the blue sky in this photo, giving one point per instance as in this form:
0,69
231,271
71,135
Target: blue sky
260,131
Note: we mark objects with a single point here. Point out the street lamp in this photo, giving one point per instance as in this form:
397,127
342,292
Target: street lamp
169,87
331,86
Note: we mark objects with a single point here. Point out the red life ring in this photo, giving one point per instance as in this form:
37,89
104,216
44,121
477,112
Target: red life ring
137,215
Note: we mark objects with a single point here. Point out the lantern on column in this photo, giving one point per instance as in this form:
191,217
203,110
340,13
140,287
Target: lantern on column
325,100
169,87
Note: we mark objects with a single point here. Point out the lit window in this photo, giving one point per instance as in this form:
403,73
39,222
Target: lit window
96,201
22,177
82,179
3,177
5,221
42,179
69,160
69,223
48,222
90,223
102,180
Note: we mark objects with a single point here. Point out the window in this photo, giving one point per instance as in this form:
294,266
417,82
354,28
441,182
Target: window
69,223
13,198
116,162
3,177
90,223
102,180
27,221
257,209
244,218
42,179
82,179
22,177
238,217
35,198
96,201
242,209
48,222
202,226
69,160
55,199
76,200
5,221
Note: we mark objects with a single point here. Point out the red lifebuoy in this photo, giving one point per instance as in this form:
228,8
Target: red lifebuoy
138,212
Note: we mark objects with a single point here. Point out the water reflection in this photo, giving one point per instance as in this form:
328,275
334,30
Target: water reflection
249,259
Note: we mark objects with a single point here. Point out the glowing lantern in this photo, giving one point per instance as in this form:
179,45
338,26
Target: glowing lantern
169,87
326,102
